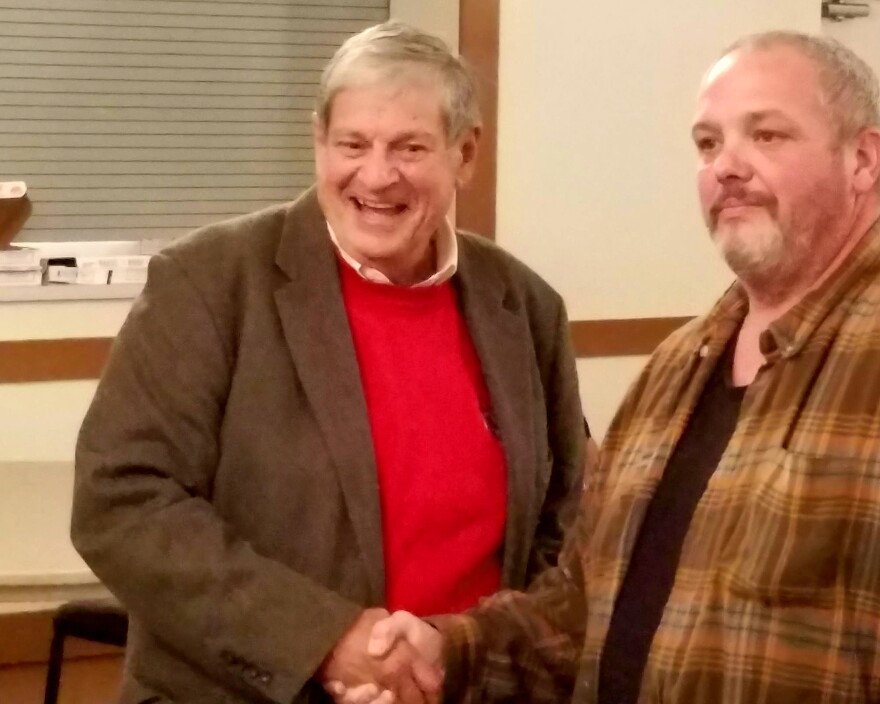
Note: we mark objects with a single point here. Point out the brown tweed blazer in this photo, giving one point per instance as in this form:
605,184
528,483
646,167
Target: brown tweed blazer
226,487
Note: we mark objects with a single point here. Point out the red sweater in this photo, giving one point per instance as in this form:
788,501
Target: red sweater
442,474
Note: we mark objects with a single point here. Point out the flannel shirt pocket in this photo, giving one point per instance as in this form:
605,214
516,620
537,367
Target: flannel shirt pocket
802,528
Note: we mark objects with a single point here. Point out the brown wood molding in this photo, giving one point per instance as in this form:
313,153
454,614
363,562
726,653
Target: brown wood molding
53,360
621,337
478,43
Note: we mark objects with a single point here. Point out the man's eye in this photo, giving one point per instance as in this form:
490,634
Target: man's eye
706,144
767,136
350,145
414,149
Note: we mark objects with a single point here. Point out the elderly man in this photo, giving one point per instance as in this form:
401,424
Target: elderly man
330,405
728,551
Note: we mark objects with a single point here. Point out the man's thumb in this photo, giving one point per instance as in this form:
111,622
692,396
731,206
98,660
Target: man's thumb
386,633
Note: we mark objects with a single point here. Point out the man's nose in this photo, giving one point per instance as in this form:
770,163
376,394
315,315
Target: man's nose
732,162
378,169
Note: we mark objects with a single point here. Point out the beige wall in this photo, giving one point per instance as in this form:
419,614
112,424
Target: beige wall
595,164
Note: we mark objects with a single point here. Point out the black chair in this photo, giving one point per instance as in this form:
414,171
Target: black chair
97,621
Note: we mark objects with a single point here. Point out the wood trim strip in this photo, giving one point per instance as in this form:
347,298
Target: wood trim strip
621,337
478,42
53,360
23,361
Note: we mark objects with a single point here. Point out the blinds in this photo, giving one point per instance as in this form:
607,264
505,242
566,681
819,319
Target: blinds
142,119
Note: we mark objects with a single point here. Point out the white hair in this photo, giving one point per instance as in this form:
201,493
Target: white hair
396,52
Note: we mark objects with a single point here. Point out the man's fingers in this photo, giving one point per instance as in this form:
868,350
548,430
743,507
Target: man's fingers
389,630
335,688
386,697
362,694
405,671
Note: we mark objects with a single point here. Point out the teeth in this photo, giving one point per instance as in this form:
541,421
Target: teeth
375,206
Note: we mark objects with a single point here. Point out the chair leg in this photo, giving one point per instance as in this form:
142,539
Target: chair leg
53,674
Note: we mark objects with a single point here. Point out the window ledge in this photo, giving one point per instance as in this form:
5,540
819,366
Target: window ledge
69,292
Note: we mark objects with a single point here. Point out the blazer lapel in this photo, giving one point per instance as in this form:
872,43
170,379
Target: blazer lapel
499,330
316,328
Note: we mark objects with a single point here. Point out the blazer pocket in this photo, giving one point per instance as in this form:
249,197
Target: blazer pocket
803,528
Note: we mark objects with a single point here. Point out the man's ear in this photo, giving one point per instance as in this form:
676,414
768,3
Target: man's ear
867,160
467,147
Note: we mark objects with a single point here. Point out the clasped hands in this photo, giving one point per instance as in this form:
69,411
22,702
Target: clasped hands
385,658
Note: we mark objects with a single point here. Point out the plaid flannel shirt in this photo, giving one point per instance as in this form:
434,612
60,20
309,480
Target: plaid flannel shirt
777,595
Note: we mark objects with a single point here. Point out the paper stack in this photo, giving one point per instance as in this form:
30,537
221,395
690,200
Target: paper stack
112,270
97,270
20,266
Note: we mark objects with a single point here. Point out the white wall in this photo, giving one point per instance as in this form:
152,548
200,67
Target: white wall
596,170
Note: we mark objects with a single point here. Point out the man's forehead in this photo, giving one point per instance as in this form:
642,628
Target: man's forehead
761,81
719,68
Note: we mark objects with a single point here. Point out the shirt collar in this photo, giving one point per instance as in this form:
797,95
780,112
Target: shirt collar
447,258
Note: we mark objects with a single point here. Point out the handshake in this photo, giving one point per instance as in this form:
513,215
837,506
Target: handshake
385,658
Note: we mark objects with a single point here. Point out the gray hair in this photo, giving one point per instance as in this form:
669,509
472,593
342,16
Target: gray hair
395,51
849,86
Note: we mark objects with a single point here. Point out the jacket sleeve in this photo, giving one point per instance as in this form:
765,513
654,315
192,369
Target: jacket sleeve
566,439
143,518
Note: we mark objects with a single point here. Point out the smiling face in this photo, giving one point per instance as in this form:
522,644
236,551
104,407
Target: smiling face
775,184
387,174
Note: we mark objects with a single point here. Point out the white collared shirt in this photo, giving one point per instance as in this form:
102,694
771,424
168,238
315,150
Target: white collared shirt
447,259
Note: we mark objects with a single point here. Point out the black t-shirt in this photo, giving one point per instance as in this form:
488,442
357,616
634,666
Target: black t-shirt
651,573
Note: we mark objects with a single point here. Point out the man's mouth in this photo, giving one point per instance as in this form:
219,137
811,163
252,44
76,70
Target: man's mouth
734,205
378,207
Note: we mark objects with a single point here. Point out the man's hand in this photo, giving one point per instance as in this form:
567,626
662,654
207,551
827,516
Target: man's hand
398,667
401,628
